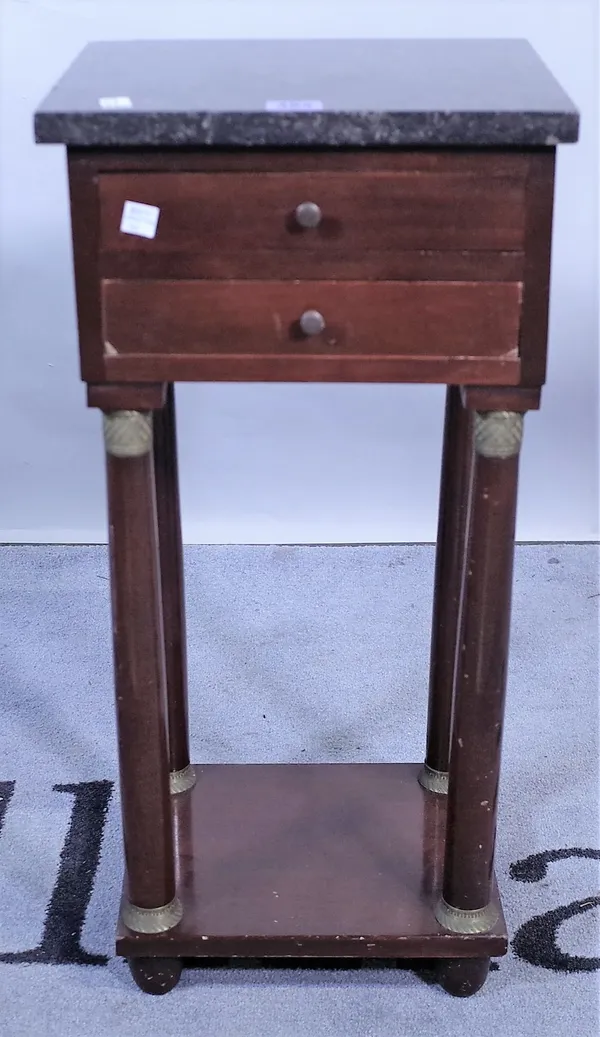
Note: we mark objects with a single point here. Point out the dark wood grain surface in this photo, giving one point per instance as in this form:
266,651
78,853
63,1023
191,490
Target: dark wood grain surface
538,249
171,579
332,262
243,367
481,685
488,212
382,211
489,397
329,860
140,680
417,318
486,163
85,230
145,396
455,488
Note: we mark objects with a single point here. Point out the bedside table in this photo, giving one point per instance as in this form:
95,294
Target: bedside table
331,211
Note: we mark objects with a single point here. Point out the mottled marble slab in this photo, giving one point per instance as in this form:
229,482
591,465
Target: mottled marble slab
313,93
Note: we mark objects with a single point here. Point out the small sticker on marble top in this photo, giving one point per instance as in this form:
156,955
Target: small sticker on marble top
293,106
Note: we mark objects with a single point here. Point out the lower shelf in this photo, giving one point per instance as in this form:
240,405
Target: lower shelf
310,860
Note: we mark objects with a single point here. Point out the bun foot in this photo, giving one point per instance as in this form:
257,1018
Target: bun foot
155,975
463,977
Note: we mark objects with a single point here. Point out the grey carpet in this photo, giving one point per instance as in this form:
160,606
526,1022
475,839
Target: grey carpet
296,654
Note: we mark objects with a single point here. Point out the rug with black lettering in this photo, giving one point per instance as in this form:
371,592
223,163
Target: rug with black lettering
295,654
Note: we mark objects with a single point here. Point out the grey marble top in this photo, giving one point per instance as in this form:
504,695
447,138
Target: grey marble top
307,92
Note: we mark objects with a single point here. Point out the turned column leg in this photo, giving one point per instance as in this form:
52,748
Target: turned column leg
465,905
457,465
182,775
152,905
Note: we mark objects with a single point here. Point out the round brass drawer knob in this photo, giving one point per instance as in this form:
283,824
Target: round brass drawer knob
308,214
312,322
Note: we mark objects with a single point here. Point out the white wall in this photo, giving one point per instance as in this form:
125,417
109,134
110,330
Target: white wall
277,463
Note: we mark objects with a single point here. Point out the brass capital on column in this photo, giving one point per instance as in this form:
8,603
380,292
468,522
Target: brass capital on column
498,433
128,433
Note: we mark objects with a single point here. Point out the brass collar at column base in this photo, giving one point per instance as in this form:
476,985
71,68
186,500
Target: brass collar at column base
152,919
181,781
434,781
458,920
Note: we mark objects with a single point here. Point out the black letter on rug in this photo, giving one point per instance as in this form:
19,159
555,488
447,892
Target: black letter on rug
536,940
6,790
79,858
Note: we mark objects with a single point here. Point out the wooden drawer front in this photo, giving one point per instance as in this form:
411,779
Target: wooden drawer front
439,321
224,215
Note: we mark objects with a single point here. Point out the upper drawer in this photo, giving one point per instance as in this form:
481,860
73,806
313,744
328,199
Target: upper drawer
233,213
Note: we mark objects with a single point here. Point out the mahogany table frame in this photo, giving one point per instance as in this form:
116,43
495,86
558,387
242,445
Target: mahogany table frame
329,860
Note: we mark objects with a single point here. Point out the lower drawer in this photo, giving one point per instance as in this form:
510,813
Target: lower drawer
149,325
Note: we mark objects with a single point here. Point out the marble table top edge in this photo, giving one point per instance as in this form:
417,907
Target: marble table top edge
349,129
354,93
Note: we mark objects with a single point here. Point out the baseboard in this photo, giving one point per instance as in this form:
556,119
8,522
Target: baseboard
91,538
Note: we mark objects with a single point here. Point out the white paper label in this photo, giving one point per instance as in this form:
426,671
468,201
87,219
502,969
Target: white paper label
294,106
139,218
115,102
